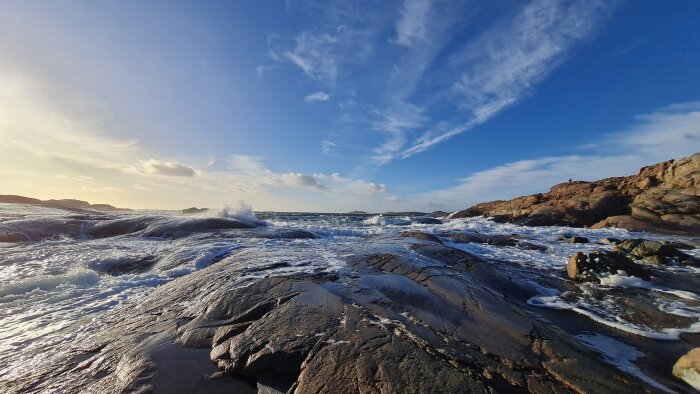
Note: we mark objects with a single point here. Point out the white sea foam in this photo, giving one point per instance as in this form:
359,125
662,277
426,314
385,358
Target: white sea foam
78,277
240,211
617,280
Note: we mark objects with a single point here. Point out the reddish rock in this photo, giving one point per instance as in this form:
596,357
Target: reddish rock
664,197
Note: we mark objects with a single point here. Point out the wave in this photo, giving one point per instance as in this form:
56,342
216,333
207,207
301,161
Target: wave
80,277
241,211
93,227
381,220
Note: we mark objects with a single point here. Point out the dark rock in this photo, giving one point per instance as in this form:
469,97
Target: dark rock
479,238
13,237
496,240
572,239
653,252
420,235
426,220
275,233
589,266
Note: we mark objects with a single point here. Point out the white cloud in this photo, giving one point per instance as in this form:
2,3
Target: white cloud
168,168
504,64
319,96
412,24
351,187
313,54
299,180
669,133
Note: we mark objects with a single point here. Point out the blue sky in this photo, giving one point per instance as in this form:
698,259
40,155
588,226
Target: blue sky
340,105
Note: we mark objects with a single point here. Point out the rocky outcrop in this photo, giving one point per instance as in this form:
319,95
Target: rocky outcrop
664,197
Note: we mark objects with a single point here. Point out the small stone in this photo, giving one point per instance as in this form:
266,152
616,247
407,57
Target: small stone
588,267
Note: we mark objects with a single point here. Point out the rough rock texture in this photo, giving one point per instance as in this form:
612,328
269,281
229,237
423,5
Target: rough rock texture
589,266
410,316
664,197
688,368
495,240
654,252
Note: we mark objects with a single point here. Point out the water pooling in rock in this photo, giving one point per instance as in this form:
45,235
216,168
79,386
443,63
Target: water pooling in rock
111,300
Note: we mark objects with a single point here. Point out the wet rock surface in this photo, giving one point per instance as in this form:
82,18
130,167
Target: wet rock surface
655,252
590,266
664,198
406,314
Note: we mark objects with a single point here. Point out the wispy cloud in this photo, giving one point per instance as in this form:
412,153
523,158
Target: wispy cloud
396,121
316,97
313,54
505,64
411,25
327,146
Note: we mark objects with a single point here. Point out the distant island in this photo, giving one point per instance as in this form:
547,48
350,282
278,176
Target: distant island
63,203
194,210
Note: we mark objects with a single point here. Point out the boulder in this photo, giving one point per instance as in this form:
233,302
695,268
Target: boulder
572,239
687,368
588,267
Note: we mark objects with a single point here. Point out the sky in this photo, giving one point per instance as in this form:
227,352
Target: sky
333,106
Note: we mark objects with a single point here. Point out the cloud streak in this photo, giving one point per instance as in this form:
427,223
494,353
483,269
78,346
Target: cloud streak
412,24
504,65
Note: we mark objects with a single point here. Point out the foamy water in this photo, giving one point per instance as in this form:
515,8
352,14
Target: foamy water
73,267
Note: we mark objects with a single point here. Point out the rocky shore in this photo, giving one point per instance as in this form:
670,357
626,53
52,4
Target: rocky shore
410,313
663,197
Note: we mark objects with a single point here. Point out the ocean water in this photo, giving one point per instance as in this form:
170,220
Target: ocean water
61,271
